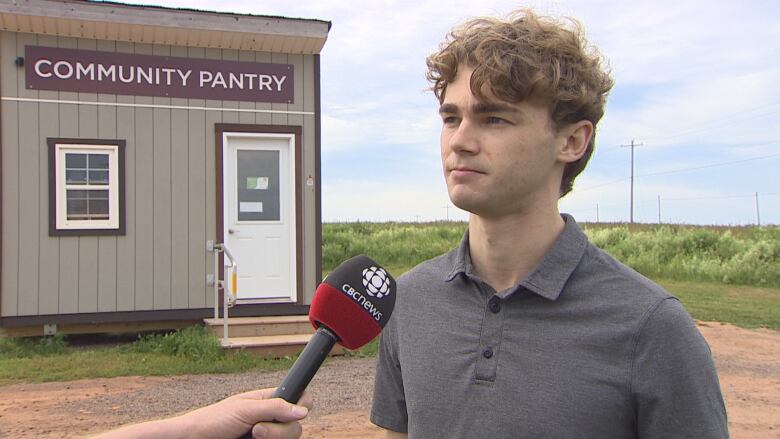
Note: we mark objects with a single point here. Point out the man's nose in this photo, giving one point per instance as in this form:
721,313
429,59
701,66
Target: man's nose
465,138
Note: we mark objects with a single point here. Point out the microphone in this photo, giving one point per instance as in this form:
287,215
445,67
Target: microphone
350,307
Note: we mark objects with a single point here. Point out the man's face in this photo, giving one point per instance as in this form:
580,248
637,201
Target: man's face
498,158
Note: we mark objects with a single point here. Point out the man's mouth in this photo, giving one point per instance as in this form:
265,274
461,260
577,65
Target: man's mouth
463,168
464,172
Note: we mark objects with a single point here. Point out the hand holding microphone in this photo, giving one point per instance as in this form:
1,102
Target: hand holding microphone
350,307
268,417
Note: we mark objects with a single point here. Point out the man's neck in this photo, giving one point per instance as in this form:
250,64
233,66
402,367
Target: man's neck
504,250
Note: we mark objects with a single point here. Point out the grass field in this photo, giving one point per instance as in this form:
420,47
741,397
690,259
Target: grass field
733,255
747,307
729,275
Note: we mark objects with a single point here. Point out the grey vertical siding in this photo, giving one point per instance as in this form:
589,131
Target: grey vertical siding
107,245
49,248
179,200
126,245
10,208
170,189
198,259
28,191
162,197
89,265
69,246
144,200
212,118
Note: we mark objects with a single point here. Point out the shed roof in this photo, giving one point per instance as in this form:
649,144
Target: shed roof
162,25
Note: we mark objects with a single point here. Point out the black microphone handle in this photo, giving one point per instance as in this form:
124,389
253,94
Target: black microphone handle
307,364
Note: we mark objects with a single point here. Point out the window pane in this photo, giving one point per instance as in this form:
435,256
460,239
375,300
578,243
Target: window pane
73,160
77,194
98,209
98,161
98,177
87,204
75,177
98,195
77,209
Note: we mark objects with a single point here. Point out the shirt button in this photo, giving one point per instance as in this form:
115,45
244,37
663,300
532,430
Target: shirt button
495,305
487,353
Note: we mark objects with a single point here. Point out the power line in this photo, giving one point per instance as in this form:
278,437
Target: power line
731,146
726,197
697,127
602,184
717,122
694,168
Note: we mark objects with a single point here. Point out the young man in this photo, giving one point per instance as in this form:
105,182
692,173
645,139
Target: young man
527,330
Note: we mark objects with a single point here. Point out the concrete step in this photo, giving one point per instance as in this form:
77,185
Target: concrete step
274,345
260,326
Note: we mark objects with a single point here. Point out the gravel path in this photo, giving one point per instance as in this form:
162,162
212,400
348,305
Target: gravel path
329,389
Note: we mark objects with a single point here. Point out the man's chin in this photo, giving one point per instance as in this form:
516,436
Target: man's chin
468,204
480,207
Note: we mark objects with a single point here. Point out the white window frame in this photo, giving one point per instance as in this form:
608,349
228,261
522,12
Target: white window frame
62,221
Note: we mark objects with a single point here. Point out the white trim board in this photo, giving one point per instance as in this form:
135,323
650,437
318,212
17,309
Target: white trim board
170,107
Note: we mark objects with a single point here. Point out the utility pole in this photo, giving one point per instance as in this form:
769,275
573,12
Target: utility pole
632,145
447,207
758,212
659,209
597,213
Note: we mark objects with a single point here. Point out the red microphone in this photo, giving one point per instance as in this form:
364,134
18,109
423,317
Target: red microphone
350,307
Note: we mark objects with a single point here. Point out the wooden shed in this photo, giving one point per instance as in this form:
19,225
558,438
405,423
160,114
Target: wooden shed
136,140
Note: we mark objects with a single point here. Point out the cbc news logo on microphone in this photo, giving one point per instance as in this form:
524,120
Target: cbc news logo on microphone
376,282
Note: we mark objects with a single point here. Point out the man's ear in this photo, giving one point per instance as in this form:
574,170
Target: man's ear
574,139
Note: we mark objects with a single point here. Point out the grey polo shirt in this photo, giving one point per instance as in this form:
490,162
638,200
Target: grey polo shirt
584,347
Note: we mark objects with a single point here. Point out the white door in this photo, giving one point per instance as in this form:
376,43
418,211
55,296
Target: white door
259,217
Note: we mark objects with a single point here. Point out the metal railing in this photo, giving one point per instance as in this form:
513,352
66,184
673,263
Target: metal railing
229,295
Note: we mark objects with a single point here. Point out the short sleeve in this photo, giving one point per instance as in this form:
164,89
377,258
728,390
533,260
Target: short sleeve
388,409
674,382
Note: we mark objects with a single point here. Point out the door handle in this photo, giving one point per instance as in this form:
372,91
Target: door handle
231,231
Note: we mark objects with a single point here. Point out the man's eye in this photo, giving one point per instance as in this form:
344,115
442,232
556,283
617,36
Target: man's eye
495,120
449,120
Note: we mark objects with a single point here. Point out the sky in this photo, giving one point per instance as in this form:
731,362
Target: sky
697,86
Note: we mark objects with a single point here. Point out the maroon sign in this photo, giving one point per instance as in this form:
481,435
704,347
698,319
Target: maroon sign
51,68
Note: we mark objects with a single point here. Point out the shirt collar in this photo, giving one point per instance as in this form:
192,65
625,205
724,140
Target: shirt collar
549,277
461,260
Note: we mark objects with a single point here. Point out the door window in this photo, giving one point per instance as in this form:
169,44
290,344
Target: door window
258,191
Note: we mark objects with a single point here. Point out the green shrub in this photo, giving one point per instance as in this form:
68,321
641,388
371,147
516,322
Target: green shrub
27,347
390,244
696,253
194,343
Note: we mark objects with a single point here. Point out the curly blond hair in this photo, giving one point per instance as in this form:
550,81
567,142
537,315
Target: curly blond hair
529,57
